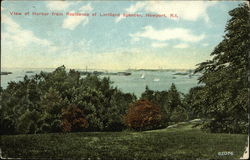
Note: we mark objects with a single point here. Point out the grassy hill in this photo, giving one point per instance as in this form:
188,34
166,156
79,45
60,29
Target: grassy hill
183,141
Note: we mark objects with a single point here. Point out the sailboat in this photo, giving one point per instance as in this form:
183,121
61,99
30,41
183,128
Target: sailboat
142,76
156,80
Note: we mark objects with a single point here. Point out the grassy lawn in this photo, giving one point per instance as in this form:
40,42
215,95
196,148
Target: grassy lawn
182,142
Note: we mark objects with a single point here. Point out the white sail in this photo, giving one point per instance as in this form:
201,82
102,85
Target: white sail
142,76
156,79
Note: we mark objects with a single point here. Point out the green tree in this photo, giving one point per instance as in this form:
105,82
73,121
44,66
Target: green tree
225,77
179,114
47,95
167,100
103,104
17,100
174,98
194,103
51,105
28,122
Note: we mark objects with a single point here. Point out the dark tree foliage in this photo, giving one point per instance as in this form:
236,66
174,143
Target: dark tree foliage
169,101
225,92
37,104
194,103
179,114
73,119
143,115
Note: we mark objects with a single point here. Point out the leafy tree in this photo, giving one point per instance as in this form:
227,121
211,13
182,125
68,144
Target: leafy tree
74,119
167,100
179,114
174,98
143,115
27,122
48,95
194,103
225,77
51,105
16,100
148,94
119,103
103,104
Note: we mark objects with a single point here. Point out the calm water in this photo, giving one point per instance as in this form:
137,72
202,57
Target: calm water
156,80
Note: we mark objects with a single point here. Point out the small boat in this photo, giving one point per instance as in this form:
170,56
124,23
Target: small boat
29,71
156,80
142,76
124,73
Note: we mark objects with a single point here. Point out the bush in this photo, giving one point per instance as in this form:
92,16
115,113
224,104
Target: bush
73,119
167,100
179,115
143,115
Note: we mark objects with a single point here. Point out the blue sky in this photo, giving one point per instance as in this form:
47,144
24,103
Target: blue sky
111,42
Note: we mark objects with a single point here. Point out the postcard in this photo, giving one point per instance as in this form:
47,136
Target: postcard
124,79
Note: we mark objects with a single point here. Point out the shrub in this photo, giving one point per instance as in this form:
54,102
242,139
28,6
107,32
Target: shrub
167,100
73,119
142,115
179,115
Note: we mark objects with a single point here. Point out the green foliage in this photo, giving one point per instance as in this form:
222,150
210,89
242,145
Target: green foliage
51,106
17,101
35,105
179,115
225,90
194,103
28,122
174,98
168,101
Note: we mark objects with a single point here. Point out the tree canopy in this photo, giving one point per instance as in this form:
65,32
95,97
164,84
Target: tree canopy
225,91
62,101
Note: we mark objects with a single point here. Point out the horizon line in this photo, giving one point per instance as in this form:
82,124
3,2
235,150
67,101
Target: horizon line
97,68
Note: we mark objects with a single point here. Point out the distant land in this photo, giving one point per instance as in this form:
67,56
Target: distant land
125,72
5,73
165,70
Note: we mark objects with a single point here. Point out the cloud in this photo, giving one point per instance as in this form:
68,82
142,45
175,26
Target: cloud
205,44
21,47
190,11
159,45
58,5
132,9
71,22
118,19
181,46
168,34
86,8
18,36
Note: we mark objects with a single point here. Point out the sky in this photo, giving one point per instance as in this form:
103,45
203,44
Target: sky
108,42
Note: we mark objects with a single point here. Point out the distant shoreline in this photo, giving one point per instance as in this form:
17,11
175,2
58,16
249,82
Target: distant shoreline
98,69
